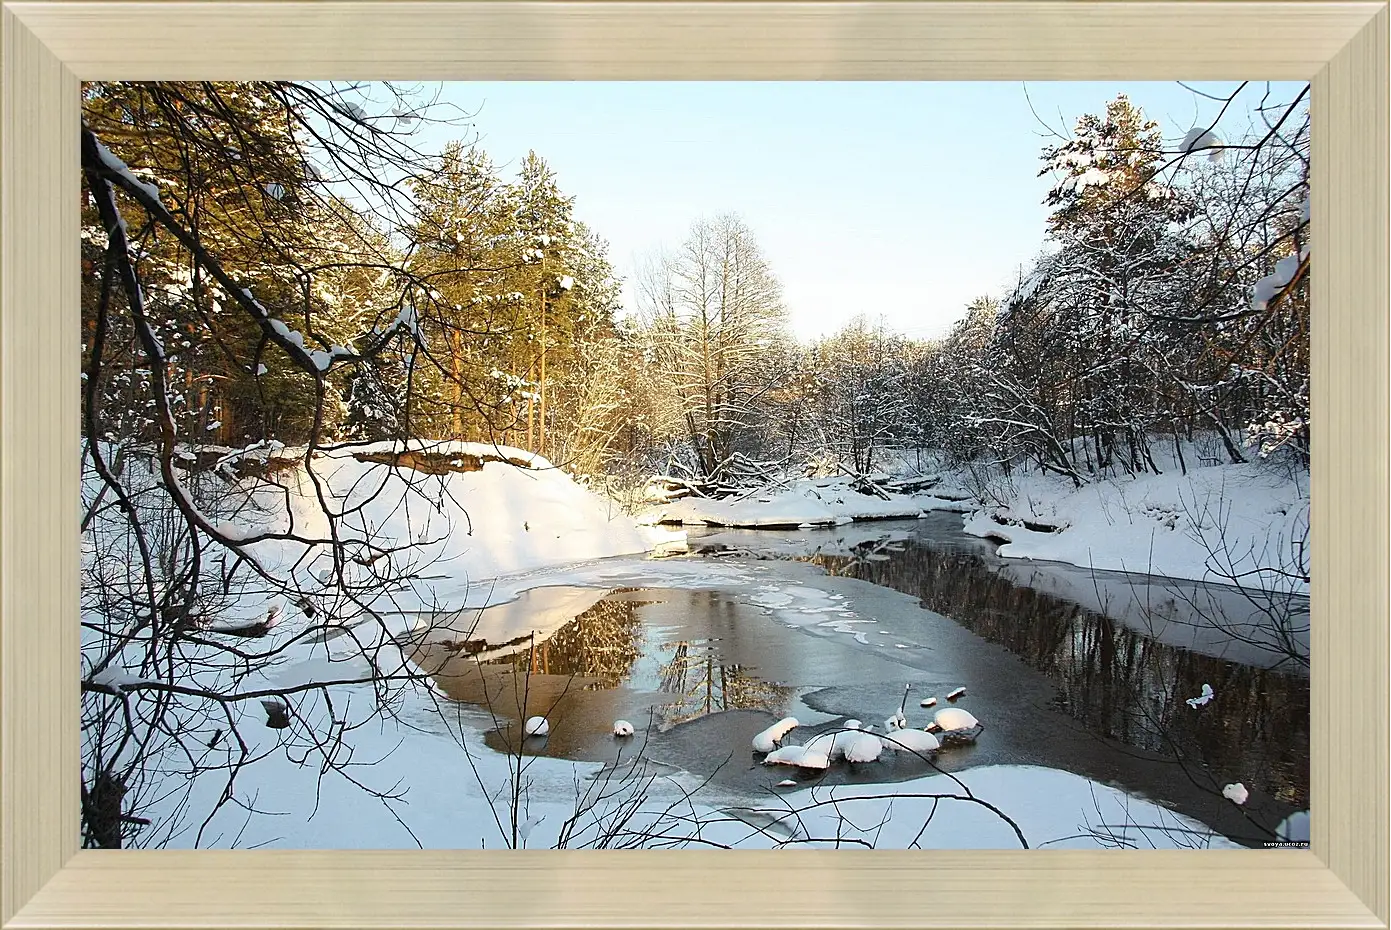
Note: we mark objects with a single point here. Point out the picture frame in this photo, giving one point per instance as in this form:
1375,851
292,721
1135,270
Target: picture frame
50,46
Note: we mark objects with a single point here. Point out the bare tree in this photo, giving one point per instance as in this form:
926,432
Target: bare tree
714,318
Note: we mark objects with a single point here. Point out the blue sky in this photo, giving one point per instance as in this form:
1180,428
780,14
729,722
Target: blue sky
896,200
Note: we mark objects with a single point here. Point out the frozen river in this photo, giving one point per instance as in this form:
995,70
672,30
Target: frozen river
1068,669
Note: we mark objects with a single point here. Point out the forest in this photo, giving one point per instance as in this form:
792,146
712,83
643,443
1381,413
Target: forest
307,276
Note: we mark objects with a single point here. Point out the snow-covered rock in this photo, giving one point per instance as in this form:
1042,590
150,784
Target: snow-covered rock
767,740
918,741
954,720
864,747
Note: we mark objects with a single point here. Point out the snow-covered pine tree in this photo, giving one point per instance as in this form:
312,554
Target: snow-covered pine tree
376,402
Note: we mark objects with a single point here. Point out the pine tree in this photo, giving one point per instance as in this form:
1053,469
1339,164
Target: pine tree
1078,331
376,405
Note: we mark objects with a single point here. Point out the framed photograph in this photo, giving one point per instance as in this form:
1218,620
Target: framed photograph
522,464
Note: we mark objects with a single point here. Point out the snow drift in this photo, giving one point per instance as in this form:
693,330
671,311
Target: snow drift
430,518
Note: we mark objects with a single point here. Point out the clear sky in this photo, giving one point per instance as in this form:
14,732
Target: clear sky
900,200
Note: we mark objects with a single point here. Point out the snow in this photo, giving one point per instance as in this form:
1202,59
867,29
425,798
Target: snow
801,503
289,335
953,694
955,719
1217,523
785,755
1199,138
566,282
863,747
1201,699
408,321
1265,290
456,531
117,679
1028,287
1236,793
456,787
501,626
1294,828
275,190
154,339
323,360
232,531
454,784
804,757
622,728
352,667
517,547
1285,269
841,740
536,726
918,741
1091,177
115,165
769,738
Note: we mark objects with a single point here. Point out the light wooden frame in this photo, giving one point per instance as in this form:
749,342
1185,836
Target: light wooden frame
48,47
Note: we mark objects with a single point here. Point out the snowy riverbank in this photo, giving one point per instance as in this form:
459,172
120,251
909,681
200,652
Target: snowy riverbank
427,525
1233,523
1244,523
498,550
801,503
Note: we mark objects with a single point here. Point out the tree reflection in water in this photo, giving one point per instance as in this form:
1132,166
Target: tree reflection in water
702,684
1120,683
600,651
602,644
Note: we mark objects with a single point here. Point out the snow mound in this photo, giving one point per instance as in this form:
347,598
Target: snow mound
865,747
955,719
768,740
448,515
914,741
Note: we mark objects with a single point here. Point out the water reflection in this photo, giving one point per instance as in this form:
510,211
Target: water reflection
1121,683
656,657
700,683
600,645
